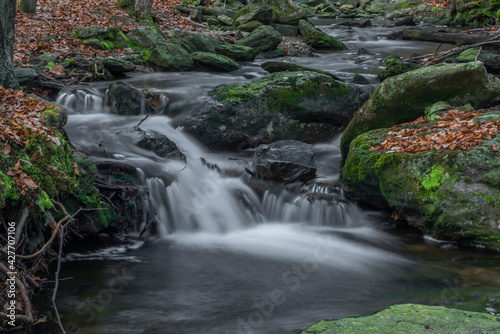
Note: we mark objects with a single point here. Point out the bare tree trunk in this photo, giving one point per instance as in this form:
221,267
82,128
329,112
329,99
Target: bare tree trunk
28,6
143,8
7,27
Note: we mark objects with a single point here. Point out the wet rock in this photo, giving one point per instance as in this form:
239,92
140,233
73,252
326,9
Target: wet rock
249,26
146,36
357,24
271,54
286,29
153,141
125,99
117,66
363,51
236,52
264,38
286,11
194,42
360,80
171,57
253,12
156,101
285,160
395,67
403,98
27,76
407,21
320,40
215,62
490,60
306,27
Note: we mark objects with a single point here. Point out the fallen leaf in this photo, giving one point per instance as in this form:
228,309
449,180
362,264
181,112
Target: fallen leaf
6,149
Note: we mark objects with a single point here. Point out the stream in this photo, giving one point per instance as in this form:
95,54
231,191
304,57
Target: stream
229,261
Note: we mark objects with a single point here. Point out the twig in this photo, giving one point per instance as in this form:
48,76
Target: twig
435,52
61,241
480,49
145,118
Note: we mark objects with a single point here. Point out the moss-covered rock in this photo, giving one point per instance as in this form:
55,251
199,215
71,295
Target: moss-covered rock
304,105
264,38
411,318
215,62
404,97
280,66
285,11
253,12
451,195
117,66
147,37
490,60
395,67
320,40
193,42
125,99
249,26
236,52
306,27
170,57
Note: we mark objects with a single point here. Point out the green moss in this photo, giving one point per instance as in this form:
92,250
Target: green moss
107,45
51,64
146,54
71,61
403,5
44,202
435,178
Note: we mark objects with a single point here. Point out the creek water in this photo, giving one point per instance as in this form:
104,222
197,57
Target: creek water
229,261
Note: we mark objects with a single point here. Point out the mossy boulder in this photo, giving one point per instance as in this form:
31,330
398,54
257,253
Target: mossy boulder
264,38
285,11
306,27
147,37
395,67
215,62
249,26
193,42
450,195
404,97
305,105
286,29
411,318
236,52
27,76
490,60
125,99
320,40
117,66
253,12
281,66
170,57
91,31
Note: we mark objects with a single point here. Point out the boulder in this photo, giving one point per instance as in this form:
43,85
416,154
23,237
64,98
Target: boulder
394,66
193,42
264,38
156,101
216,11
306,106
285,160
215,62
306,27
249,26
280,66
447,194
286,29
117,66
146,36
27,76
320,40
236,52
276,53
253,12
411,318
404,97
360,80
286,11
91,31
225,19
153,141
125,99
171,57
490,60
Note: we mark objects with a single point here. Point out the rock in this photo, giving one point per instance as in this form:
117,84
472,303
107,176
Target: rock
117,66
225,19
271,54
156,101
153,141
56,117
363,51
352,3
213,22
253,12
360,80
286,11
249,26
278,66
395,67
285,160
404,97
91,31
264,38
357,24
449,195
171,57
432,112
411,318
146,36
306,27
216,11
27,76
193,42
197,16
490,60
306,106
286,29
407,21
320,40
215,62
93,43
236,52
50,57
125,99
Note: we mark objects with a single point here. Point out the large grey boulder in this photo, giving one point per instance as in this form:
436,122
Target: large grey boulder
403,98
264,38
285,160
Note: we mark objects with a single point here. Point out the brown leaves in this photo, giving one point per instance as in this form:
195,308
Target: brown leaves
455,130
6,149
57,70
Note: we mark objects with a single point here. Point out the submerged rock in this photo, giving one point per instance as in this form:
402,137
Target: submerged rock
285,160
403,98
449,195
411,318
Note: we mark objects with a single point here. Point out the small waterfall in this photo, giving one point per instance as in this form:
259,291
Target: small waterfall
85,101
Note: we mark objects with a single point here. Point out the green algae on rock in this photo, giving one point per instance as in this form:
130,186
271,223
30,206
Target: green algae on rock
411,318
